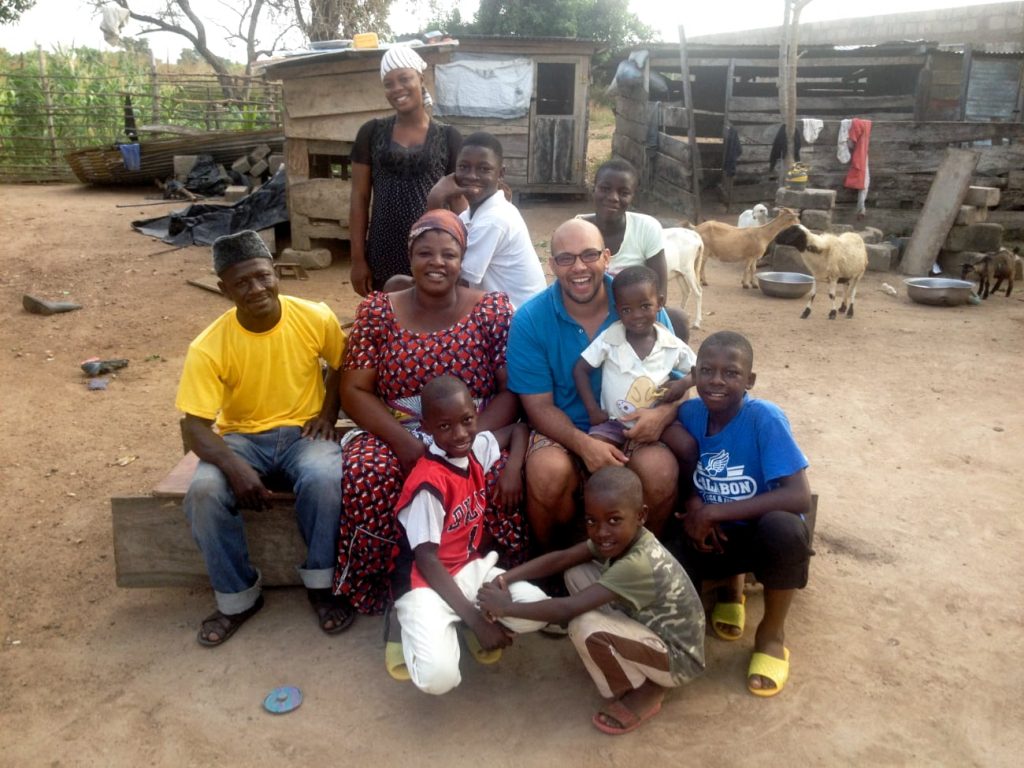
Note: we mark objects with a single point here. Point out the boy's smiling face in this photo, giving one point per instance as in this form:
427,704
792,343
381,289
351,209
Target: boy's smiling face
451,421
613,521
638,305
722,377
478,171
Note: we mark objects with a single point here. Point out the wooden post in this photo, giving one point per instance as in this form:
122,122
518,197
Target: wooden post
965,80
729,75
44,85
691,125
154,86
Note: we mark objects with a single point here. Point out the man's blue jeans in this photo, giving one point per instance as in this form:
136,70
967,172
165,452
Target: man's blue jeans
314,469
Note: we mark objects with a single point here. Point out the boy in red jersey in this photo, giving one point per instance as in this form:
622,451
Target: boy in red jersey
441,509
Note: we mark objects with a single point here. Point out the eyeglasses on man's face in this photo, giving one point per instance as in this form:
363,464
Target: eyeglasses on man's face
568,259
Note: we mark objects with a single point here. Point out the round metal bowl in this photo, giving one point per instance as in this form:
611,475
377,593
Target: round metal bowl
784,285
939,291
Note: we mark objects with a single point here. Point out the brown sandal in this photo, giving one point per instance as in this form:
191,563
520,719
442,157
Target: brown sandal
225,624
331,609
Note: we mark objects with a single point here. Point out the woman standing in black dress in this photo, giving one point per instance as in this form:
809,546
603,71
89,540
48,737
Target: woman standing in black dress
395,162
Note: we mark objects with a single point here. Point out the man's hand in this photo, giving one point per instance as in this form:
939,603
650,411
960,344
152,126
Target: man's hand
319,428
494,598
250,493
597,454
650,423
491,634
508,493
597,417
704,534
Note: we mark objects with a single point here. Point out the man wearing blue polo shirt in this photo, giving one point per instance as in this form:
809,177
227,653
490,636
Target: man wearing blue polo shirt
547,336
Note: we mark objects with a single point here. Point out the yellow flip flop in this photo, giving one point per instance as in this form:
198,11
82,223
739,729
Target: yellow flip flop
776,670
729,615
394,661
482,656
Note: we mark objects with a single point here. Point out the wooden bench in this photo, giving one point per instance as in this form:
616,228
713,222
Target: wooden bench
153,545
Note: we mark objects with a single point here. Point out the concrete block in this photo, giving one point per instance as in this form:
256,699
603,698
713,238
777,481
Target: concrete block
259,153
275,162
786,258
269,238
870,235
259,168
234,193
817,220
982,197
839,229
881,257
818,199
1015,180
315,258
975,237
971,214
241,165
182,165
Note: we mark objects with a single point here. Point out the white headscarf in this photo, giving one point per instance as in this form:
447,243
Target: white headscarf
404,57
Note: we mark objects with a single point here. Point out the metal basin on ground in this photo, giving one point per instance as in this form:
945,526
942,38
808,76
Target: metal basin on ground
784,285
939,291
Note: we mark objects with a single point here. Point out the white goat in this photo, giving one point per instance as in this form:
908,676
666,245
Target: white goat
830,258
728,243
753,217
683,251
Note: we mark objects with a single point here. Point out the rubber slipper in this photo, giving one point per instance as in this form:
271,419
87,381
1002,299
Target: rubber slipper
482,656
776,670
627,719
331,608
225,624
394,661
729,615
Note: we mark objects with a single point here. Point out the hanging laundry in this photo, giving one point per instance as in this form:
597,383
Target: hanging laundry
859,175
733,150
779,147
812,127
131,155
113,18
842,147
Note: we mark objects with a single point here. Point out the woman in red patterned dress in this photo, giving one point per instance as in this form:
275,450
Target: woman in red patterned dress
398,343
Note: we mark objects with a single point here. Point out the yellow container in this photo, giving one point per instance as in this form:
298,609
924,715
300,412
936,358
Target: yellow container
366,40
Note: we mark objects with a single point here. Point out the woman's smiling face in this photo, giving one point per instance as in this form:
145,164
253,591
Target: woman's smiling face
436,261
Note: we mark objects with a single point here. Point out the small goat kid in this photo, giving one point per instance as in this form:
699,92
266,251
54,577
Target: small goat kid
831,258
729,244
683,251
753,217
991,267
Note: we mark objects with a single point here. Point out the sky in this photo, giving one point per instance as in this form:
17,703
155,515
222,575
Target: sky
68,23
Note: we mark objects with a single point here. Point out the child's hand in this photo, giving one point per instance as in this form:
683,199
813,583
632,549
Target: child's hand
705,535
494,598
508,493
597,417
674,390
491,634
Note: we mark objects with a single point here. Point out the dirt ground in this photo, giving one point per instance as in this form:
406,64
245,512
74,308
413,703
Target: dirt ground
902,644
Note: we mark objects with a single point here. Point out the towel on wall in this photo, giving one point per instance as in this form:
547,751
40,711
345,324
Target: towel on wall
842,148
858,176
812,127
779,147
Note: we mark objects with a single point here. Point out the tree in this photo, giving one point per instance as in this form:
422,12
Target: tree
11,10
331,19
787,70
608,21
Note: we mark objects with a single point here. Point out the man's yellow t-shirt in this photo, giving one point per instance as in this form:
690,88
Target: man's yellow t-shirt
251,382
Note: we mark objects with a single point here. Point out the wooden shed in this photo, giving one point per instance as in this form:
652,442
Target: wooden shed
328,96
920,98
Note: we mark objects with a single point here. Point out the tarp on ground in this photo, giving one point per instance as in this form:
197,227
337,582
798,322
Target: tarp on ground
202,223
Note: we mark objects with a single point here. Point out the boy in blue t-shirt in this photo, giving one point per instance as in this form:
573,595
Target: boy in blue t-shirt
749,500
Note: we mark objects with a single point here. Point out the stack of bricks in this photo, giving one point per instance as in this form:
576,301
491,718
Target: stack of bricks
971,236
816,207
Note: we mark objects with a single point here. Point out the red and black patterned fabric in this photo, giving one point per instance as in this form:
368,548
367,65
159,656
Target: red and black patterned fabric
474,350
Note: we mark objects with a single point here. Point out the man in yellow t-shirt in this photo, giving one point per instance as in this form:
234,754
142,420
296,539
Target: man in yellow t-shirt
255,372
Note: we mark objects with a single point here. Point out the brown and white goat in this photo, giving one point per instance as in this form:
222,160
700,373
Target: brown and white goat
832,259
992,267
729,244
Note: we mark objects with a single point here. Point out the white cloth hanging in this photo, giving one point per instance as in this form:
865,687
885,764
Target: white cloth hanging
112,21
843,142
812,127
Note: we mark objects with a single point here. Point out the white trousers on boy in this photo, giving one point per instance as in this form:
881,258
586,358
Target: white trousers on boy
645,657
430,640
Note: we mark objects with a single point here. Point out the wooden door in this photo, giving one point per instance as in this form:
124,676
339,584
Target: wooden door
556,152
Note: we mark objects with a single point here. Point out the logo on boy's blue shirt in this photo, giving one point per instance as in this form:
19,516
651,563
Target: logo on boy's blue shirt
718,483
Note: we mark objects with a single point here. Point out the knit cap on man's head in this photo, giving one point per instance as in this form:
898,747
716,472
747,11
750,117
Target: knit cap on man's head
234,249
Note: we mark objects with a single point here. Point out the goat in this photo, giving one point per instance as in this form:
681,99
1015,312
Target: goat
753,217
728,243
832,258
996,266
683,251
